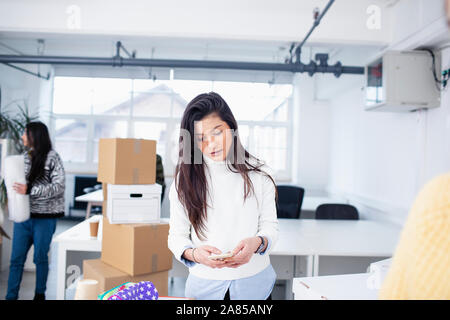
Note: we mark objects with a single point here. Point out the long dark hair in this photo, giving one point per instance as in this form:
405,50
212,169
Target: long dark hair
190,178
40,144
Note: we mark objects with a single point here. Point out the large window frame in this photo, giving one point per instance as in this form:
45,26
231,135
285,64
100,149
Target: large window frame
172,123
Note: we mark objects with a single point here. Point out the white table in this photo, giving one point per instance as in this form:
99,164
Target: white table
348,238
76,238
297,237
93,199
340,287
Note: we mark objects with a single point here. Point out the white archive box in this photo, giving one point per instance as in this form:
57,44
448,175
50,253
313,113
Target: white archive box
140,203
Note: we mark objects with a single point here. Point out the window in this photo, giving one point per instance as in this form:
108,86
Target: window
153,131
87,109
270,145
108,129
71,139
253,101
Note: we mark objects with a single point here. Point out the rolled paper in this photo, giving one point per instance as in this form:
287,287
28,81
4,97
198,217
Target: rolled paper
87,289
18,204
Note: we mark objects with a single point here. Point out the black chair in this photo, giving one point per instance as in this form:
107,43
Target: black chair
290,199
337,211
83,185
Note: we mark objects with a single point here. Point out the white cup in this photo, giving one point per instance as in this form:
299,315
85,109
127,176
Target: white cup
94,226
87,289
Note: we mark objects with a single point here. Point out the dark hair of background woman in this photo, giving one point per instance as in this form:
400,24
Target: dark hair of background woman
190,178
39,141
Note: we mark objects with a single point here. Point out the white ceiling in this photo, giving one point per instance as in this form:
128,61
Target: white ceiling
232,30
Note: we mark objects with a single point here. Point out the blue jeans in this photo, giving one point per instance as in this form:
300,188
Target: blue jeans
37,231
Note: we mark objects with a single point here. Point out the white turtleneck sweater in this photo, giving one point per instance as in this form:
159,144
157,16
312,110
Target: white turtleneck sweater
229,220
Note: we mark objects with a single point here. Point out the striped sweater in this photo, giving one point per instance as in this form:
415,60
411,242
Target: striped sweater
47,192
421,264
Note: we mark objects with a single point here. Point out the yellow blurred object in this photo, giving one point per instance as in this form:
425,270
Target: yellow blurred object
421,264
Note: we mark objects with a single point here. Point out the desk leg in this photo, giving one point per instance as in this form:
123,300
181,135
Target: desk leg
310,266
61,273
316,265
288,292
88,209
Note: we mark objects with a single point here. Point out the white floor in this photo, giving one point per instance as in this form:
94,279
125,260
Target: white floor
176,286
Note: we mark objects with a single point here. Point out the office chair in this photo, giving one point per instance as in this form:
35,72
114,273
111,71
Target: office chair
290,199
80,186
337,211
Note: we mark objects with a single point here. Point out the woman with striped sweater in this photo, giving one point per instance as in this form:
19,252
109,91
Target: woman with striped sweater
45,185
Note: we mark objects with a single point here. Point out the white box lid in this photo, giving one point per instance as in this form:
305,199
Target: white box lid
134,188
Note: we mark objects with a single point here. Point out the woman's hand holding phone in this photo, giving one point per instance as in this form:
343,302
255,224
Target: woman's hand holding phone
202,253
239,256
243,252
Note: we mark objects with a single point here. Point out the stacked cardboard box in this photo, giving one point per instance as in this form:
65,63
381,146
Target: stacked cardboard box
130,252
109,277
127,161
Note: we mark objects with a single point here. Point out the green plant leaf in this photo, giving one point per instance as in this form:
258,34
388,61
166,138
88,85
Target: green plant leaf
13,127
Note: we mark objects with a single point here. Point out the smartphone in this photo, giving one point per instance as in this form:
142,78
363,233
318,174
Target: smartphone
220,256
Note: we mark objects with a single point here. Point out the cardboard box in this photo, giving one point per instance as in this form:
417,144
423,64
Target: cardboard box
105,191
105,198
133,203
109,277
127,161
136,248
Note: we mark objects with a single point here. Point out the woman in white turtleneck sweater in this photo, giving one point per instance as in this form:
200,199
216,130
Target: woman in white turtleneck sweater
222,200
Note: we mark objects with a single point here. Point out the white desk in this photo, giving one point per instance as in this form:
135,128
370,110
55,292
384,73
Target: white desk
340,287
297,237
348,238
76,238
93,199
337,237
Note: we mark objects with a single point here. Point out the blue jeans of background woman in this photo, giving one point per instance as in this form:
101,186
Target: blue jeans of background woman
37,232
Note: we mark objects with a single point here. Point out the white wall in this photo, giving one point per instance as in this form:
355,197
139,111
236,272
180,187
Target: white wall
417,23
375,157
437,133
381,160
311,123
